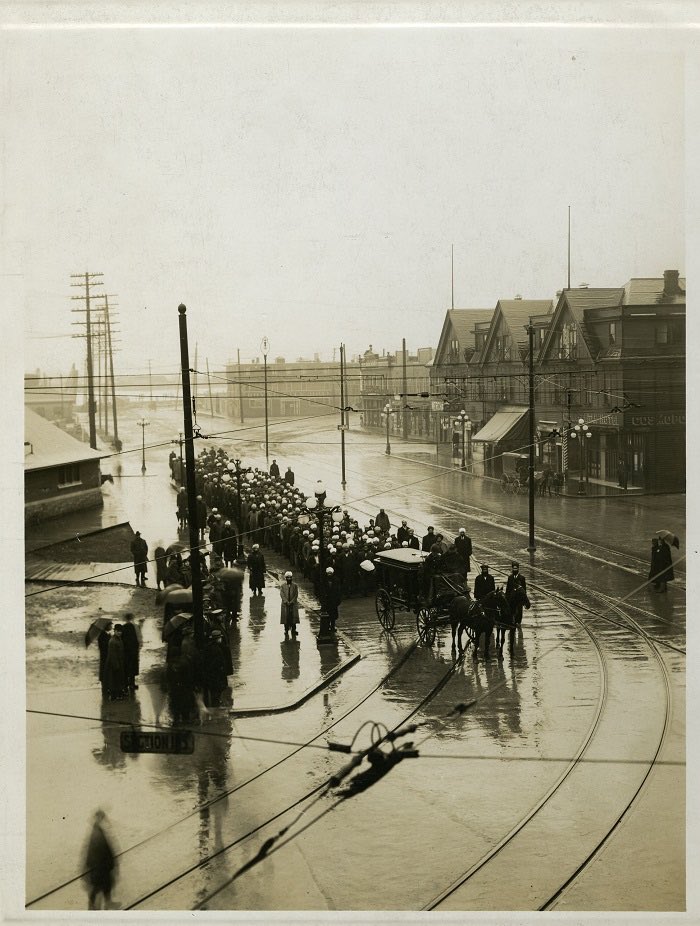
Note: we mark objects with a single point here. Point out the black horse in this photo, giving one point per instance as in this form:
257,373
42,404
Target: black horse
467,615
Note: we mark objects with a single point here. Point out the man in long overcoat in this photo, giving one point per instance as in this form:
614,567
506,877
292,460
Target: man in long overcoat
463,546
132,645
289,609
115,668
256,567
515,581
139,552
100,864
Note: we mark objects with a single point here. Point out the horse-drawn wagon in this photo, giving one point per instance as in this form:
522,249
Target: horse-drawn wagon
437,593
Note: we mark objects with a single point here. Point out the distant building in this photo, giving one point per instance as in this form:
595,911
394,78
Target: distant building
61,474
295,389
383,384
52,397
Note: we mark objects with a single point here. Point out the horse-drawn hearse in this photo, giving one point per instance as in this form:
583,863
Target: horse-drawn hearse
435,589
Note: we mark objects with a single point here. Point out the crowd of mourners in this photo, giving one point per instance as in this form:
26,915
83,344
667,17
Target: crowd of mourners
267,515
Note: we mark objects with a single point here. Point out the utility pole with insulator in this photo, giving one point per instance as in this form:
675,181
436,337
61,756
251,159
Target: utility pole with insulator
88,280
192,521
531,468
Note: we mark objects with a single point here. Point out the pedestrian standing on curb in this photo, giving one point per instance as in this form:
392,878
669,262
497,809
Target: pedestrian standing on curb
115,669
139,551
622,474
256,567
274,469
130,639
100,864
289,610
289,476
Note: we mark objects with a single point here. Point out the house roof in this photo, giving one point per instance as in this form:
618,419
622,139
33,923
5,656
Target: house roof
50,446
460,324
650,290
581,299
517,314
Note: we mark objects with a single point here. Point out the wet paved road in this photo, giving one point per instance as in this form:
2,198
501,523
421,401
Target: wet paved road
416,832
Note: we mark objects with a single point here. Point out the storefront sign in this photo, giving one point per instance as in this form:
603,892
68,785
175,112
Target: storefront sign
176,742
660,420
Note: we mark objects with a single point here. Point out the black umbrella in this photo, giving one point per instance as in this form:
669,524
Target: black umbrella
96,628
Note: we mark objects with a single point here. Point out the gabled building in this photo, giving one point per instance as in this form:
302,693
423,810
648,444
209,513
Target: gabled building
616,358
61,474
499,382
462,337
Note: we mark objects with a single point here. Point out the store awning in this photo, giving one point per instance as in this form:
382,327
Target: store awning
501,425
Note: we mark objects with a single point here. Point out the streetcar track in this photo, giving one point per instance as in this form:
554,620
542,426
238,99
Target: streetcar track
574,763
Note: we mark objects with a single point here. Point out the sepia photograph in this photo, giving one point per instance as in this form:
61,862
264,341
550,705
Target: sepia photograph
347,547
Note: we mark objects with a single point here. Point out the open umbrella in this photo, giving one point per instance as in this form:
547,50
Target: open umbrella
230,575
96,628
178,595
177,547
669,538
163,593
175,622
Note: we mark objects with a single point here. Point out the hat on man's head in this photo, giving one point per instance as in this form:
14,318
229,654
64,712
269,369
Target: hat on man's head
515,565
256,546
288,575
462,530
329,571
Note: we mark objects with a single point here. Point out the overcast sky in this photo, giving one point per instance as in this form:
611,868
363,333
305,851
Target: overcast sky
308,184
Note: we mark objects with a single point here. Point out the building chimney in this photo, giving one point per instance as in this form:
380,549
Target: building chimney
671,287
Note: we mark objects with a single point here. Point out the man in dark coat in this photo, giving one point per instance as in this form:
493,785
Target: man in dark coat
484,585
139,552
402,532
274,469
289,476
115,669
463,546
214,669
332,596
100,864
516,581
428,540
654,566
131,643
413,541
382,521
256,567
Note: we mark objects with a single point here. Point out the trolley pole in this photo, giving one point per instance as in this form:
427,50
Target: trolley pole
531,468
197,602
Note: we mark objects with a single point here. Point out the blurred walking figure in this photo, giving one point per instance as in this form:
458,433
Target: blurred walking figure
214,669
289,611
103,646
655,563
289,476
115,666
100,862
132,645
161,567
139,551
181,508
665,571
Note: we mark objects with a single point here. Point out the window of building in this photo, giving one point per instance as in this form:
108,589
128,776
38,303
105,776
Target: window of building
69,475
612,333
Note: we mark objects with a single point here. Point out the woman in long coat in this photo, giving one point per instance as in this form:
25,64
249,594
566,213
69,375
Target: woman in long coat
115,669
289,610
130,639
256,565
665,565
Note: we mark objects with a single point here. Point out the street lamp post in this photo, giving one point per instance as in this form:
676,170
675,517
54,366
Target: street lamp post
462,420
581,433
143,424
319,508
387,412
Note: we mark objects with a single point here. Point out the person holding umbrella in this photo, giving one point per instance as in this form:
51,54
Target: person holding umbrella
99,630
665,560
